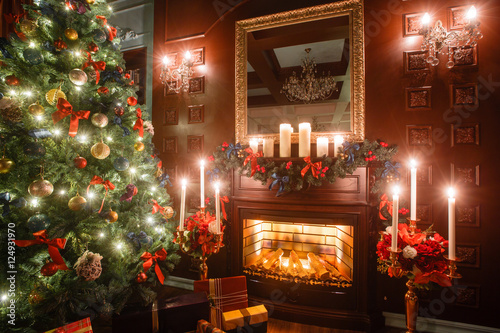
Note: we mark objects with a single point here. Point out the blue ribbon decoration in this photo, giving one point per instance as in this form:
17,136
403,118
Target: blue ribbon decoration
118,121
5,200
3,43
213,175
82,6
164,178
281,181
233,149
349,151
39,133
389,167
108,75
136,239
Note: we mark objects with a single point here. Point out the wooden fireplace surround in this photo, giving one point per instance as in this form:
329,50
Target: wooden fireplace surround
353,307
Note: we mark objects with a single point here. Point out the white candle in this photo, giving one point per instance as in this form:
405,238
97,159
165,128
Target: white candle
304,139
321,146
426,19
285,140
451,224
183,205
254,145
202,183
268,148
217,208
395,218
413,190
337,142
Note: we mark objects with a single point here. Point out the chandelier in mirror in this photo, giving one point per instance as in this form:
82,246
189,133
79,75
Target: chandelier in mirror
176,78
438,40
308,88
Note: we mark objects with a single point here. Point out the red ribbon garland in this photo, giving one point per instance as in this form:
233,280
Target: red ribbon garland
65,109
156,207
384,201
315,167
111,30
96,180
253,159
98,66
54,246
224,199
139,123
149,259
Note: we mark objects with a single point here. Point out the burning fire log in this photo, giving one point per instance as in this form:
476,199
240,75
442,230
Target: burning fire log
265,254
274,258
296,264
321,271
332,269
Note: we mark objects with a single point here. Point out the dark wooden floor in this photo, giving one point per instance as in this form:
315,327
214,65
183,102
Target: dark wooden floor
280,326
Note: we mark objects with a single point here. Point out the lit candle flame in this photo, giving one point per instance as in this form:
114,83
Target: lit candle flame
451,192
471,13
426,19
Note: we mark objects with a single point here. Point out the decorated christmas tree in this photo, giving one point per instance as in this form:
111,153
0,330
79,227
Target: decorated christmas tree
85,212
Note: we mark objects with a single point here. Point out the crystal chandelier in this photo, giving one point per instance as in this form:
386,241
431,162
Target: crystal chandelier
308,88
438,40
176,79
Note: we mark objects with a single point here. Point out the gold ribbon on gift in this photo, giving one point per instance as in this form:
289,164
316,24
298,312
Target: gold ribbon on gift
219,301
248,316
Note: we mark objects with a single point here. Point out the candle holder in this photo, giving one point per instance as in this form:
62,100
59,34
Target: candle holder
452,266
412,225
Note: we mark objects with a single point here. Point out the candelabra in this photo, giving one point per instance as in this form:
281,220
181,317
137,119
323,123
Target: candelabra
438,40
177,78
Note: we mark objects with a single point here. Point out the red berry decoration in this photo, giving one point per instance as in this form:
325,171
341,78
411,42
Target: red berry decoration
11,80
49,269
132,101
80,162
141,277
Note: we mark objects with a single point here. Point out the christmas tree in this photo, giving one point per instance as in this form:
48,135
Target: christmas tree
81,189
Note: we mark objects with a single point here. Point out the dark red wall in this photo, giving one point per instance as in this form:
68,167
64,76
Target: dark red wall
474,165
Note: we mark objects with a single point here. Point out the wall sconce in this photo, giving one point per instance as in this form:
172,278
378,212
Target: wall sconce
177,78
438,40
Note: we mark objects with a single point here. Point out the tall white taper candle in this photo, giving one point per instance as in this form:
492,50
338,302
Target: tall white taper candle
202,183
451,224
304,139
395,218
217,208
321,146
337,142
413,190
183,205
285,140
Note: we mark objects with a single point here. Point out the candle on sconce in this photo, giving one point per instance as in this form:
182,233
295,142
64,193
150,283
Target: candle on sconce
337,142
268,148
395,218
304,139
321,146
202,183
413,190
254,145
426,20
285,140
472,14
451,223
217,207
183,205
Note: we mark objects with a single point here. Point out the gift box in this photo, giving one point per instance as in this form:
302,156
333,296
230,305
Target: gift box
137,319
81,326
205,327
226,294
252,319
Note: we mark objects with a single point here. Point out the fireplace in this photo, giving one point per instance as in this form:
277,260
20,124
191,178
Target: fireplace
308,255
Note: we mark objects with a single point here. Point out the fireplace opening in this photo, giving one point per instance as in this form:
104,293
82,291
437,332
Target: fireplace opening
313,251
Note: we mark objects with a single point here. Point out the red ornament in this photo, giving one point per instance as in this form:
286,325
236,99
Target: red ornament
127,76
80,162
11,80
119,111
49,269
93,48
141,277
60,44
132,101
103,90
119,69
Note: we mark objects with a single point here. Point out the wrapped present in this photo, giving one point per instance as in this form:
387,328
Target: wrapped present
81,326
180,314
252,319
205,327
226,294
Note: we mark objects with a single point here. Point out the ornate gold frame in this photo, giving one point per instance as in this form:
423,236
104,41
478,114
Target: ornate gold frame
353,8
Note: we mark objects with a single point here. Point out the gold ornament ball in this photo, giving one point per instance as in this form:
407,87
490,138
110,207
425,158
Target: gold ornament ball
6,164
99,120
77,203
27,26
112,216
139,146
36,109
100,150
52,96
71,34
78,77
41,188
34,297
90,2
168,212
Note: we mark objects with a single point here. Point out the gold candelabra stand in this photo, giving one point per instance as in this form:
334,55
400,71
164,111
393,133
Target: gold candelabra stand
203,259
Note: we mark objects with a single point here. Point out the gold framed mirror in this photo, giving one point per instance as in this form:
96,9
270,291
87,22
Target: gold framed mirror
272,52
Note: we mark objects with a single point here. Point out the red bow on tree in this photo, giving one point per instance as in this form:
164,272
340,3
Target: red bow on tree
223,200
139,123
111,30
96,180
384,201
149,260
315,167
98,66
54,246
156,207
252,158
65,109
